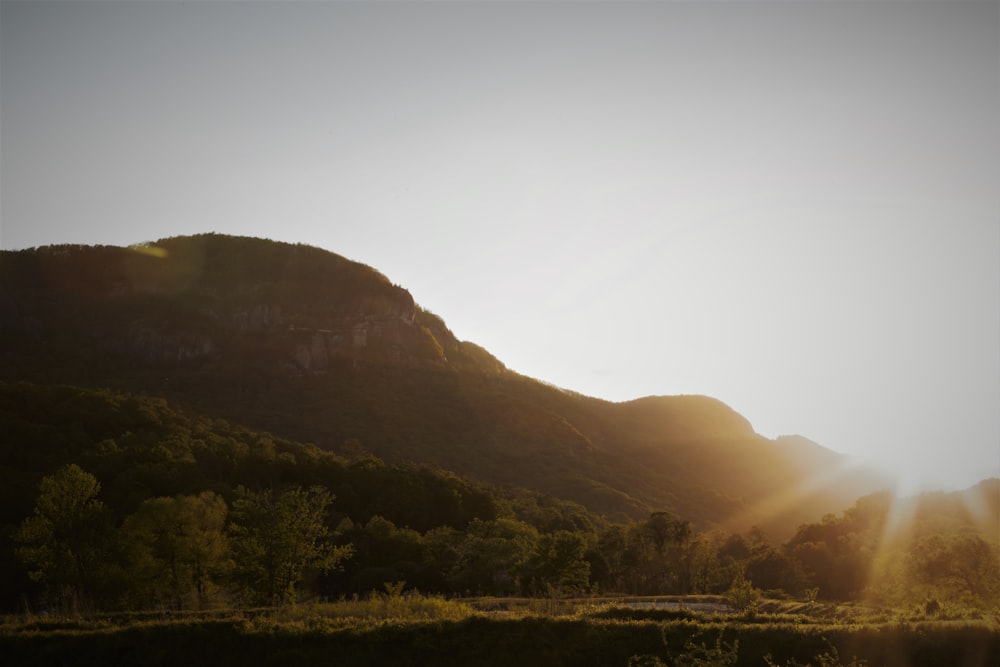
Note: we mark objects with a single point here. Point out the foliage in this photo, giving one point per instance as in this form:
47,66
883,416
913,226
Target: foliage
147,542
557,564
493,556
742,596
157,409
178,549
645,661
65,540
263,334
829,658
720,654
278,538
964,563
410,629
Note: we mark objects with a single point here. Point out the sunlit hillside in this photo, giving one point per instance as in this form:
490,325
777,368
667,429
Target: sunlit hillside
310,346
160,501
165,408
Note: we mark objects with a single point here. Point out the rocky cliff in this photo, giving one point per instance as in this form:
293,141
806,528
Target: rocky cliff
199,299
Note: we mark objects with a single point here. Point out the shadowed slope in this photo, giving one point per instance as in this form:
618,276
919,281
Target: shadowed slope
314,347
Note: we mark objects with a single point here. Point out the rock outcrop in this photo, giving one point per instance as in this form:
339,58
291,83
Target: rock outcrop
221,299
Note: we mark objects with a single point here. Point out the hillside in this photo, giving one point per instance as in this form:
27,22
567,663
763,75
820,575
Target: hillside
312,347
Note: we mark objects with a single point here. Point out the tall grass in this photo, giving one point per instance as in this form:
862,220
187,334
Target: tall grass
412,629
408,607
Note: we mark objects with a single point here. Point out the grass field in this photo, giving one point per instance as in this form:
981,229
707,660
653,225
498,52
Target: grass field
421,630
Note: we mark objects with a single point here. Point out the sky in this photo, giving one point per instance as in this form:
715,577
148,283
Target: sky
793,207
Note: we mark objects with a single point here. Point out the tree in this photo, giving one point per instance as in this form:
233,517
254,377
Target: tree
657,552
706,573
742,595
773,570
663,530
492,556
975,565
558,564
384,553
965,563
65,542
178,548
278,539
837,555
612,544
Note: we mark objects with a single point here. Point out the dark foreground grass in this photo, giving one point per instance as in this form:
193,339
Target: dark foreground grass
489,640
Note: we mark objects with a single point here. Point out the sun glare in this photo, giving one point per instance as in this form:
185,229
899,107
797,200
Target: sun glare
783,500
902,525
148,249
911,476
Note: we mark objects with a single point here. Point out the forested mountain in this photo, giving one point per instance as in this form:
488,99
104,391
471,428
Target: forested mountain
111,500
210,421
311,347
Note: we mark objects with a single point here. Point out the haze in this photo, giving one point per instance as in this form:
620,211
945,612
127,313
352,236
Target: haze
792,207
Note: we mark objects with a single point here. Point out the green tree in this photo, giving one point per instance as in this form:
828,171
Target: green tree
384,553
837,554
278,539
558,564
656,552
976,566
662,530
773,570
966,563
441,550
611,545
66,541
742,595
178,548
706,573
492,557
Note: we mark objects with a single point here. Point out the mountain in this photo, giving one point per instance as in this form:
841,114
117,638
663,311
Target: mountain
312,347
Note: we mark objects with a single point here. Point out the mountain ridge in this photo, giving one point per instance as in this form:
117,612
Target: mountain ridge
314,347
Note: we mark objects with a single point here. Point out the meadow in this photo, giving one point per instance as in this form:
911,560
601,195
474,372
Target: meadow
413,629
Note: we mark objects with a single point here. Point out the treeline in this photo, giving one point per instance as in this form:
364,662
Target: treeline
120,501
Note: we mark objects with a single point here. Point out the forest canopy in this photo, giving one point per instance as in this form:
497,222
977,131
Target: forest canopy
119,501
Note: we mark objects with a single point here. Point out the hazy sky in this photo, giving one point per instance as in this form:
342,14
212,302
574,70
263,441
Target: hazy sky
791,206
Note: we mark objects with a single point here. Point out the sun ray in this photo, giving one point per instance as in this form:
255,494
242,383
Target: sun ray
781,501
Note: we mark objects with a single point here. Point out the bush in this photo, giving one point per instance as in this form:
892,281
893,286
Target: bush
742,596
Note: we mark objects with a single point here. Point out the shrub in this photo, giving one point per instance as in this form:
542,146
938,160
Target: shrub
742,596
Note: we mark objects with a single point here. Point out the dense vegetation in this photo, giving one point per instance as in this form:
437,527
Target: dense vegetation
276,448
311,347
115,501
418,630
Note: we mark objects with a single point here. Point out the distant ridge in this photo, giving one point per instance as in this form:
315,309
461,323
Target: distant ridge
313,347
